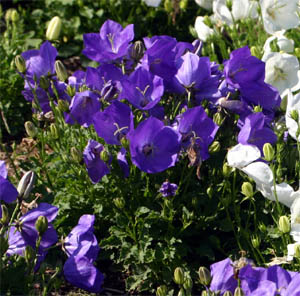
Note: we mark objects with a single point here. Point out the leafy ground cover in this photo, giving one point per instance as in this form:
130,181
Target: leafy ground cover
161,151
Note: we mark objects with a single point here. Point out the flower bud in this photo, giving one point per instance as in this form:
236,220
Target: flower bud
238,292
257,109
29,254
188,283
61,71
297,52
119,202
295,115
168,5
15,16
297,251
71,90
204,276
8,14
255,241
109,90
215,147
204,293
227,293
254,51
210,192
137,50
41,225
20,64
247,189
284,224
125,142
162,291
179,276
269,152
62,105
44,82
262,227
227,170
5,215
54,28
181,292
31,129
76,154
217,118
183,4
26,184
104,155
54,131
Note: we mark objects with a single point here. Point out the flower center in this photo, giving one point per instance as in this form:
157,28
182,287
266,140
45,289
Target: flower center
147,149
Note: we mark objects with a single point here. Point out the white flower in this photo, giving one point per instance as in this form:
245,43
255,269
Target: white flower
203,31
291,251
293,103
279,14
152,3
281,70
284,44
240,155
206,4
222,13
242,9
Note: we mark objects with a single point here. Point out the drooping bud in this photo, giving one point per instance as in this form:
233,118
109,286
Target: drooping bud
162,291
119,202
29,254
5,215
31,129
41,225
238,292
137,50
26,184
204,276
44,82
61,71
54,28
15,16
104,155
269,152
63,105
284,224
20,64
247,189
54,131
179,276
71,90
214,147
76,154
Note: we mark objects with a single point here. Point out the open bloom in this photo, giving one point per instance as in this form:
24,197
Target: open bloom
153,146
203,31
279,14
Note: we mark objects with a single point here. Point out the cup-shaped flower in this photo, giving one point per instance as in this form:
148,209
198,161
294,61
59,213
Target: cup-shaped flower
110,44
256,132
293,105
279,14
81,272
95,166
82,108
8,192
114,122
153,146
203,31
143,89
81,241
194,123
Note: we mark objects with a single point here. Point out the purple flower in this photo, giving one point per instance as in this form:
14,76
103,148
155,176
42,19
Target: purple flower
194,123
110,44
81,272
153,146
81,241
256,132
83,106
121,157
8,192
96,167
143,89
40,62
114,122
168,189
82,249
